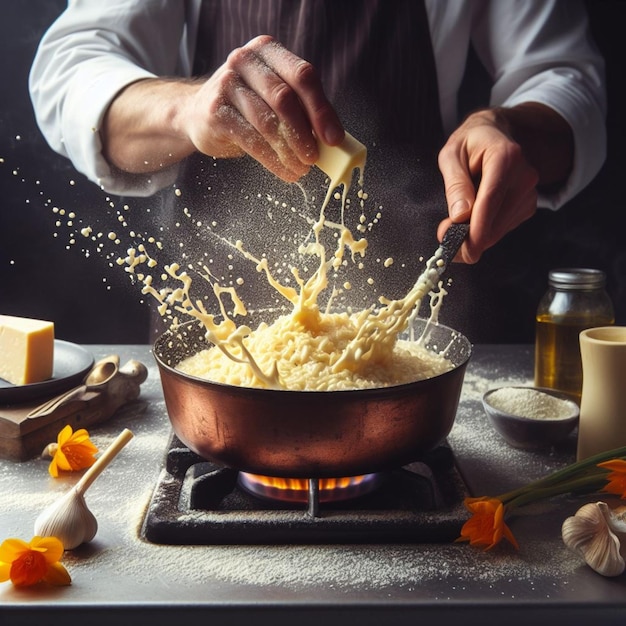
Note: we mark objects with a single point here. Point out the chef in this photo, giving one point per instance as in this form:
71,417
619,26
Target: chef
142,94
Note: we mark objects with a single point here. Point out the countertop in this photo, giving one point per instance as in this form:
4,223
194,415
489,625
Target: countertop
120,578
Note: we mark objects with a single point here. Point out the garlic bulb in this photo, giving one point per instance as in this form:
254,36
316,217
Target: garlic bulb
69,520
590,533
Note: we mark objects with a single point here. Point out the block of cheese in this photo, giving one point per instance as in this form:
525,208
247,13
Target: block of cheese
26,349
339,162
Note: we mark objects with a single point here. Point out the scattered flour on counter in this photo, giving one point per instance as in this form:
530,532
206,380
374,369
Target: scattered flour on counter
475,385
341,568
119,551
119,558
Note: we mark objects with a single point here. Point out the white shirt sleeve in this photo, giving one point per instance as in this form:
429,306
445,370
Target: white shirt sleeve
541,51
535,50
89,54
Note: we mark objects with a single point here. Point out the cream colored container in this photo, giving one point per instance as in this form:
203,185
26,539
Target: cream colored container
602,424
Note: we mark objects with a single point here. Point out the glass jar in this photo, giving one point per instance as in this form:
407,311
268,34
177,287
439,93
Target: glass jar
576,299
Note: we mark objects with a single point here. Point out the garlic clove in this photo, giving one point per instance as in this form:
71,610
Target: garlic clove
69,520
589,534
617,519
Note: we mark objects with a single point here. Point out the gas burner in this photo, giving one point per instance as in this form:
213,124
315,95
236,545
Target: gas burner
312,491
198,502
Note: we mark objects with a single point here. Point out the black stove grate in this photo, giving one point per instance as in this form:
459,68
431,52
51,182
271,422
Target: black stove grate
196,502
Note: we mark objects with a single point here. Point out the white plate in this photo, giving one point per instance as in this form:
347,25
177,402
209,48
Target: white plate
71,364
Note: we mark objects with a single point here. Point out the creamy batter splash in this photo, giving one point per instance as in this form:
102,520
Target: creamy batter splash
307,348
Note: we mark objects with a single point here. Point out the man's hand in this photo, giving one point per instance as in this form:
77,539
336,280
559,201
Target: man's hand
492,165
264,101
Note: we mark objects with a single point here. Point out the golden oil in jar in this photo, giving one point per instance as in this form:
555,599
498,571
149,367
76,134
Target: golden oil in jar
576,299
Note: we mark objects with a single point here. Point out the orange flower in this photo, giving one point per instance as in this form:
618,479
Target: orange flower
616,478
602,472
73,451
486,527
27,564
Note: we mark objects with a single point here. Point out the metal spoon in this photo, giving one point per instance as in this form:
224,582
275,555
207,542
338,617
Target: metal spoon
99,375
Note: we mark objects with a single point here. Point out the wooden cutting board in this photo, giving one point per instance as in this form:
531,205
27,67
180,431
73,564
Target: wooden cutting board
23,437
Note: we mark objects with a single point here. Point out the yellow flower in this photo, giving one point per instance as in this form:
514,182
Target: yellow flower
27,564
616,478
486,527
73,451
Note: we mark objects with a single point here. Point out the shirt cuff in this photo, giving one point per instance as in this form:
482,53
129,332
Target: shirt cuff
82,120
586,118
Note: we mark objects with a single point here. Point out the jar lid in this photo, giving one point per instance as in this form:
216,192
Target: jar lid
577,278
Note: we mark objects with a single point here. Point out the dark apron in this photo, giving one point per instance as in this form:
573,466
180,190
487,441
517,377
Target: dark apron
376,62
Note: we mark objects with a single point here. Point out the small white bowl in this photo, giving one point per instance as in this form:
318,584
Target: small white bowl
526,418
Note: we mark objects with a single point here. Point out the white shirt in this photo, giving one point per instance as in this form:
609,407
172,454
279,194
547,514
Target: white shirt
535,50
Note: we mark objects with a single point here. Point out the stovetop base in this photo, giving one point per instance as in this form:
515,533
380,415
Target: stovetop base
196,502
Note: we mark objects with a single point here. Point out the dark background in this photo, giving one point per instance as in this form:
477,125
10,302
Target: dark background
40,276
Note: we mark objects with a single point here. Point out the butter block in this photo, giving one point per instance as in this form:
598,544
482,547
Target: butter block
339,162
26,349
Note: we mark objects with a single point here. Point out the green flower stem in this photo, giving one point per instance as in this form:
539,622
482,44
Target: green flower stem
595,474
586,466
591,482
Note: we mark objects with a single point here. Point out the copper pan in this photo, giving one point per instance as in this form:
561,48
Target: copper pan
309,434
